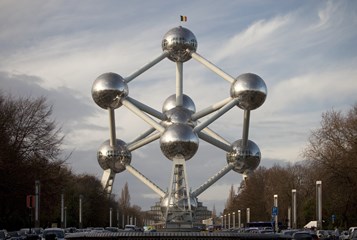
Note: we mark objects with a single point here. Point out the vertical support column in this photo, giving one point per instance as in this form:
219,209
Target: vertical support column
276,229
245,128
319,204
37,203
294,221
179,83
178,212
112,127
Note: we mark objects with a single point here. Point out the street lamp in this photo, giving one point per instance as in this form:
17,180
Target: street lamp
319,204
248,215
293,193
239,219
234,219
276,215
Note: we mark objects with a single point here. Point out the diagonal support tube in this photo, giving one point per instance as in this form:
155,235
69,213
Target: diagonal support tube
218,114
212,180
212,67
146,67
137,144
142,115
145,180
210,109
147,109
215,142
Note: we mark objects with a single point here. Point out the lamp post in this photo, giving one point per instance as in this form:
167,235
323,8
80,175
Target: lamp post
225,220
62,210
234,219
80,211
276,215
319,204
239,219
229,220
248,215
37,203
294,222
110,216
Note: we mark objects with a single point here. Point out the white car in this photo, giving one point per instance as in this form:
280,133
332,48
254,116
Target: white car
130,228
53,234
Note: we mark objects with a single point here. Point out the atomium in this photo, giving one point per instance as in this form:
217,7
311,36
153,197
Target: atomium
179,141
178,41
108,90
179,127
244,158
250,90
114,157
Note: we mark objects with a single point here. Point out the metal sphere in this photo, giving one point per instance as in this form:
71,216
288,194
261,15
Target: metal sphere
114,157
251,91
179,141
164,203
245,160
176,41
178,115
170,103
108,90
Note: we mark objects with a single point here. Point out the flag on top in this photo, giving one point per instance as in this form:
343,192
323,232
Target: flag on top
183,18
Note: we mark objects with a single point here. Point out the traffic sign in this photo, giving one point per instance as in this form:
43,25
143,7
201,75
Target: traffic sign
274,211
30,201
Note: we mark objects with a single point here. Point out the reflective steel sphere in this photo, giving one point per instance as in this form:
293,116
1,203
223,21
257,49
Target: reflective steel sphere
164,203
178,115
246,159
115,157
108,90
179,141
170,103
176,41
251,91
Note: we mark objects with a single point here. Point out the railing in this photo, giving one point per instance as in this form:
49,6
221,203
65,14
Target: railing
174,236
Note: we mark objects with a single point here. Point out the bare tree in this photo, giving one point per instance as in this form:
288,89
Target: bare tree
29,151
124,200
332,153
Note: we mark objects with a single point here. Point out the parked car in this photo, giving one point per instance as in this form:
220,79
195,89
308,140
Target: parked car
353,235
351,230
4,235
53,234
131,228
112,229
302,235
344,235
322,234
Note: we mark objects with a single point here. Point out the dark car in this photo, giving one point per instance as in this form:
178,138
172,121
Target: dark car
302,235
353,235
4,235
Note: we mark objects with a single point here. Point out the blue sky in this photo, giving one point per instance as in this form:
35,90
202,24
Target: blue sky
304,50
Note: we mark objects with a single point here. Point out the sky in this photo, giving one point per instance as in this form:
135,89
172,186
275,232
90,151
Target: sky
304,50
